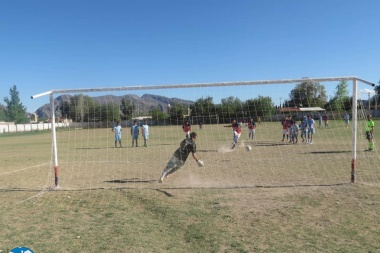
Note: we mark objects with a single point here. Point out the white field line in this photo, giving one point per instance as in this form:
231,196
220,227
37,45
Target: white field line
27,168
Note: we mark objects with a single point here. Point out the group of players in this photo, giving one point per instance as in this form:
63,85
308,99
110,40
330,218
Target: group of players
179,157
290,129
307,127
135,132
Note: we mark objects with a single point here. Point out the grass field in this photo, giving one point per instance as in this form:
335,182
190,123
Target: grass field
277,198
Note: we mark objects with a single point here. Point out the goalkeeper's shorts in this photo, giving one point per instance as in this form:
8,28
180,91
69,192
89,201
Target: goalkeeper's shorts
369,135
174,162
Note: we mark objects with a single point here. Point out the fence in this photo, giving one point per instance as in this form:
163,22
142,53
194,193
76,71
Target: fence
17,128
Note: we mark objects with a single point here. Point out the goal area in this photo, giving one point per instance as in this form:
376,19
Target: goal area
84,154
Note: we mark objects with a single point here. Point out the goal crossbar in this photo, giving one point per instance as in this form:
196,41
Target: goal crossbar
204,85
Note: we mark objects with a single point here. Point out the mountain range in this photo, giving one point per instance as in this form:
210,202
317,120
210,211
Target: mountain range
143,104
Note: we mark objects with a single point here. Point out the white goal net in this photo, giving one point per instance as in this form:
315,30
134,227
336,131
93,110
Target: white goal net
84,156
87,157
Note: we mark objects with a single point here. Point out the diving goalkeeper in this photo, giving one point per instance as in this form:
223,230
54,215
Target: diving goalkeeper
179,157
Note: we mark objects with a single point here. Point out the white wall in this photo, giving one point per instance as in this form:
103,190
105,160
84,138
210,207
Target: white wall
12,128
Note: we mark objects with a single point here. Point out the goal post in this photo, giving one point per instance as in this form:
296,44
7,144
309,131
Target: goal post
87,144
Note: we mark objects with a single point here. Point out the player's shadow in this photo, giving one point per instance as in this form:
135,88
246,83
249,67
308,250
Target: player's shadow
330,152
94,148
165,192
256,186
268,144
130,180
20,190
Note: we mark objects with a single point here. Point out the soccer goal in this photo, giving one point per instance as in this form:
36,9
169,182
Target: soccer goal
85,154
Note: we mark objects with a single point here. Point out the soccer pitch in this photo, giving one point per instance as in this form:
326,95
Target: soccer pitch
278,197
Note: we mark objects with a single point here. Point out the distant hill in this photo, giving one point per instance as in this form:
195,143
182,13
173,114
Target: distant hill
143,104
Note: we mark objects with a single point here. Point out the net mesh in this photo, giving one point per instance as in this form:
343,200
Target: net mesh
88,159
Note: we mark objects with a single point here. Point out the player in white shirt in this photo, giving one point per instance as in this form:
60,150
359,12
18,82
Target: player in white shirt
311,129
145,132
117,130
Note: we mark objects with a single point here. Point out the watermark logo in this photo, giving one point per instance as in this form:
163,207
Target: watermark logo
21,250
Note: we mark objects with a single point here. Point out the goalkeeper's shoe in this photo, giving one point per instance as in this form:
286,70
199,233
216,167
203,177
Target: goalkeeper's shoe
164,175
233,145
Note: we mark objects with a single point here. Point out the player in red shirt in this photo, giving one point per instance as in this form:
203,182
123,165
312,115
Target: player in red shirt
187,128
251,128
236,129
285,123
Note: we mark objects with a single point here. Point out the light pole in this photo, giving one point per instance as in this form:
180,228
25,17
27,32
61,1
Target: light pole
369,101
376,97
169,114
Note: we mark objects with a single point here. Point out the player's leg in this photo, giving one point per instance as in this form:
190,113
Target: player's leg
164,174
311,136
173,165
370,141
234,140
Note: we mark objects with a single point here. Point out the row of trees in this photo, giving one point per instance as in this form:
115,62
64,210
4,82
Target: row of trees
313,94
83,108
306,94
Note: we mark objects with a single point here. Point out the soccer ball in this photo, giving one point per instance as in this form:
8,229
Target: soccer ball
248,148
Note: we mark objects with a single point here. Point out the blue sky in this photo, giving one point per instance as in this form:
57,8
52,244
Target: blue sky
49,45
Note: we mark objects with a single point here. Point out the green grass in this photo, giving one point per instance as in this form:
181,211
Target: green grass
276,198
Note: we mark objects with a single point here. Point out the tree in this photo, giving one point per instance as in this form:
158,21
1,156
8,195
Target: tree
106,113
80,108
341,100
177,110
307,94
15,110
377,90
127,108
2,114
203,107
231,107
260,106
157,114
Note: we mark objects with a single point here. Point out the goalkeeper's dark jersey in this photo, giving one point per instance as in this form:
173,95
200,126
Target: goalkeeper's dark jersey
186,146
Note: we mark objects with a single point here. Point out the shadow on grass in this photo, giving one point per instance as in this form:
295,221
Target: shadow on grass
258,186
330,152
165,192
20,190
131,180
163,189
267,143
126,146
